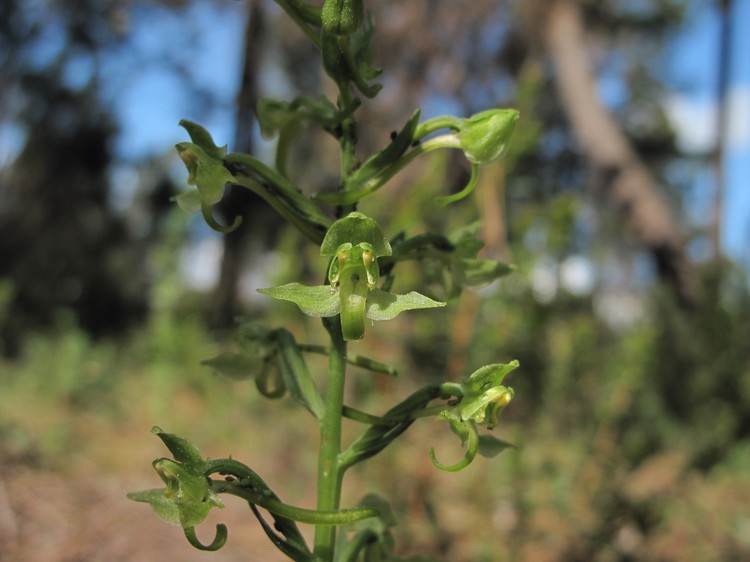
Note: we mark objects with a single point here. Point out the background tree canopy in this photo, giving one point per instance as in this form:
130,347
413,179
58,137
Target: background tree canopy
630,322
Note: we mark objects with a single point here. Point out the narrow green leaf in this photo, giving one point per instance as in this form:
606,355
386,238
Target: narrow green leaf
359,55
275,115
301,13
270,381
372,365
354,359
476,273
280,193
349,549
294,545
386,514
417,558
379,162
377,437
296,549
237,366
296,375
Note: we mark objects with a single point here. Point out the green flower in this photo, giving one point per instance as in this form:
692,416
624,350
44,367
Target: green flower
187,497
355,243
483,397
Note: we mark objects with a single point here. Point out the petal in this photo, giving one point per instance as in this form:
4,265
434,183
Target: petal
321,300
354,229
382,305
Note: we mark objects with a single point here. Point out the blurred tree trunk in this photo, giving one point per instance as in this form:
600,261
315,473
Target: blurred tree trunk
224,304
629,183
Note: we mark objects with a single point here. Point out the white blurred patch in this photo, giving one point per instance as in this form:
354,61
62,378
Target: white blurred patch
200,263
577,275
260,274
739,117
695,120
544,283
620,308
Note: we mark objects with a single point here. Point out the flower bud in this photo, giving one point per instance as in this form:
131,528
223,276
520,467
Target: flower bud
342,17
484,137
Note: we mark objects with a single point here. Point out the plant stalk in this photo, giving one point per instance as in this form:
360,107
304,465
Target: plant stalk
330,471
330,474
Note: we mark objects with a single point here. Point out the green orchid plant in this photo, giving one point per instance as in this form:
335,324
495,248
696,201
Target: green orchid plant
362,264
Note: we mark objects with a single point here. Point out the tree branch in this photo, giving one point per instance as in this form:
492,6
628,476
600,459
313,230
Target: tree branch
631,185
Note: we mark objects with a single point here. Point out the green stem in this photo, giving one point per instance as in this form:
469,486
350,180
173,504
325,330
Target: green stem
293,512
372,185
330,471
364,417
371,419
356,360
348,137
437,123
330,474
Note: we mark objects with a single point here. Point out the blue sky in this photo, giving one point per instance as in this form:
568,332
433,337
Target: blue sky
694,112
151,100
154,101
154,98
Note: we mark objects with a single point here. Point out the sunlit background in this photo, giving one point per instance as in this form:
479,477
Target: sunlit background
632,410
